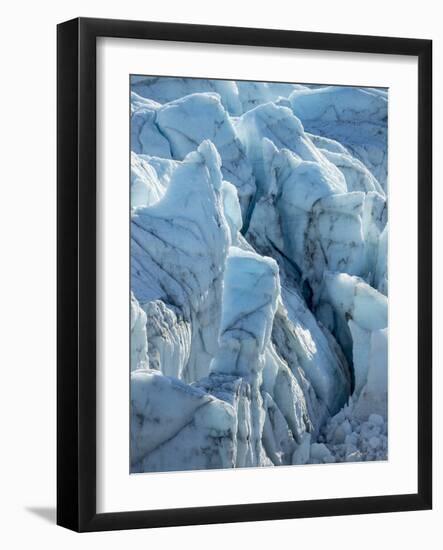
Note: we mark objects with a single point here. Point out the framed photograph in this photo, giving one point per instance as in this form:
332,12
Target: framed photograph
244,274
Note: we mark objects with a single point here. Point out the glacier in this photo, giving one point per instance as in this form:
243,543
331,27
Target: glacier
259,279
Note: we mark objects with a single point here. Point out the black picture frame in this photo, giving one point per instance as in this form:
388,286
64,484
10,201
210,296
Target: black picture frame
76,273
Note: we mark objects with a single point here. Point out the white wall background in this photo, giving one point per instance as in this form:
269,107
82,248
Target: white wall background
27,272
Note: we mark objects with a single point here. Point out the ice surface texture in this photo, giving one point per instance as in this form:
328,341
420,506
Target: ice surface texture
259,279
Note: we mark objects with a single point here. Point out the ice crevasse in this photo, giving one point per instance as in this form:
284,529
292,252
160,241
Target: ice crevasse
258,274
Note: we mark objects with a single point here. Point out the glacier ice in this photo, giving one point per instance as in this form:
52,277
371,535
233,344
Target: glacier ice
381,265
188,121
251,289
252,94
163,90
355,299
145,136
146,187
168,336
259,280
175,426
139,341
178,251
279,126
355,117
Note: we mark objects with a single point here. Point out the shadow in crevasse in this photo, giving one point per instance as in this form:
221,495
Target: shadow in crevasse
45,512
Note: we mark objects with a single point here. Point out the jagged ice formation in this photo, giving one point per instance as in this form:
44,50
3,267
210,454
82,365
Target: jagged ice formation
259,281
